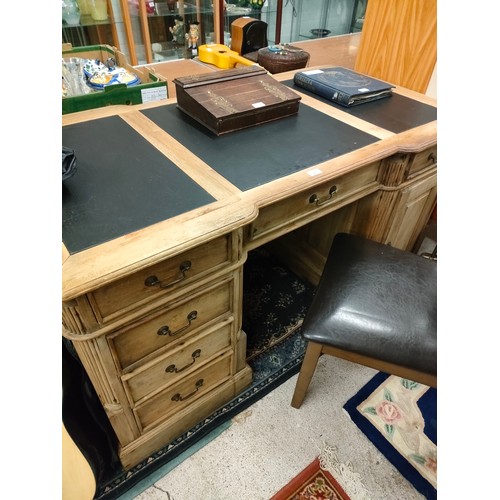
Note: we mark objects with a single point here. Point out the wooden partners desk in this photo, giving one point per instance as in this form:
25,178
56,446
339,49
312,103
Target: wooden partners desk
160,215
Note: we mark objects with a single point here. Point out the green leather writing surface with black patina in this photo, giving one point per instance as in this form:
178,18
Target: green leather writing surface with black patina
258,155
122,184
397,113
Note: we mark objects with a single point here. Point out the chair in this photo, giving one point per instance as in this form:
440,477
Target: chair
375,305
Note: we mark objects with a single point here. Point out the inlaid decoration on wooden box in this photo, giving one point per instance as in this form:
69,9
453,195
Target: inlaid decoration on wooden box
233,99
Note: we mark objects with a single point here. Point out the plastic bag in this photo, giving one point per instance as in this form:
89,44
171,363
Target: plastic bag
68,163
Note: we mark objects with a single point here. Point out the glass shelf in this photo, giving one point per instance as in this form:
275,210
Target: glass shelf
334,17
88,21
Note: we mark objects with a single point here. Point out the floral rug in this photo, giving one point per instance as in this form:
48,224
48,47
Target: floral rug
313,483
399,417
325,478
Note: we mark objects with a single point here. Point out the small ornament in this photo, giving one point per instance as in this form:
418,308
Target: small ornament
178,32
192,38
256,4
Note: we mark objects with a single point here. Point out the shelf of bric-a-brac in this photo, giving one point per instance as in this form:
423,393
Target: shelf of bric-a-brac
92,22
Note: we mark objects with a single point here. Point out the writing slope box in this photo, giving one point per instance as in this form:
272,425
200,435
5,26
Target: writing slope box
151,88
342,85
233,99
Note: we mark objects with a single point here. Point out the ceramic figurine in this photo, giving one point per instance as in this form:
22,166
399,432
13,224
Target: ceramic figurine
192,37
178,30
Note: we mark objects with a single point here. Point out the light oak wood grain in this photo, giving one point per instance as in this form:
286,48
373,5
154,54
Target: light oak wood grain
399,42
118,325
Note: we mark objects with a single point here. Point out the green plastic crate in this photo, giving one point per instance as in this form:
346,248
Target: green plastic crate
152,88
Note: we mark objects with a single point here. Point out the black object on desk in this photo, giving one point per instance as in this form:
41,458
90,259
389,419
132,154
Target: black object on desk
396,114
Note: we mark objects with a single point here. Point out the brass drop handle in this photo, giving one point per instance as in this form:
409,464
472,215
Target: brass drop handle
172,368
178,397
165,330
314,197
154,281
432,158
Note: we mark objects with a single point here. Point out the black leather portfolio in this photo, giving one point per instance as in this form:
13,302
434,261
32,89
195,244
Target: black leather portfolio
342,85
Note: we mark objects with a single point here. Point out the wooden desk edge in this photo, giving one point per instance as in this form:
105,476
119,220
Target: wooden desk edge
412,141
143,248
89,269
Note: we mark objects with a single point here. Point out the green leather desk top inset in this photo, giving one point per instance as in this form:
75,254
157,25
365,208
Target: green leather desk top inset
396,113
122,184
261,154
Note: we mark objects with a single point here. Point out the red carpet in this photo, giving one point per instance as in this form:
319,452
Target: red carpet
312,483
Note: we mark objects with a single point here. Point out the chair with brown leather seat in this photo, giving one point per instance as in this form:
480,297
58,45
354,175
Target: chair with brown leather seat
375,305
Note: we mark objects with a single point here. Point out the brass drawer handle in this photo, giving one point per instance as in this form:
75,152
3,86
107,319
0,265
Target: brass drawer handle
172,368
314,197
154,281
432,158
178,397
165,330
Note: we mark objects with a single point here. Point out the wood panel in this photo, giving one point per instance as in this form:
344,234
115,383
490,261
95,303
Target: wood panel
399,42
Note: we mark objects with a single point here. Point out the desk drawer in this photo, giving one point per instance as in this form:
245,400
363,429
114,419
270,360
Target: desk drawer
135,290
321,199
186,391
421,161
168,324
177,364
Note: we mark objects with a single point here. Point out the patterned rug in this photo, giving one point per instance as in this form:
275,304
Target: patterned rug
274,304
400,418
313,483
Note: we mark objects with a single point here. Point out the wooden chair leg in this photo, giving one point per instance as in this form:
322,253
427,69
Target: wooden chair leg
307,369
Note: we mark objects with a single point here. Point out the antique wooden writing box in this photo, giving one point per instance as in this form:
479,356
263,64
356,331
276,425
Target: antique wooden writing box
233,99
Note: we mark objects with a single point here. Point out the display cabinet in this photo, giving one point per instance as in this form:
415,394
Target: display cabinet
148,31
295,20
145,31
235,9
165,28
89,32
321,18
100,22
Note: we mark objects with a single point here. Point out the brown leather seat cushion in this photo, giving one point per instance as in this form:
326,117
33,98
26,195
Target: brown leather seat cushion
378,301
